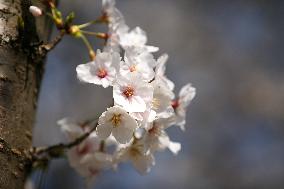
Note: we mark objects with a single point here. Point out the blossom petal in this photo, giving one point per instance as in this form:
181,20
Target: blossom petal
124,132
143,163
187,93
174,147
104,130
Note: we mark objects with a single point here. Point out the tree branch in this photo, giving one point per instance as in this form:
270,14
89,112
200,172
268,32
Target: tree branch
45,48
57,150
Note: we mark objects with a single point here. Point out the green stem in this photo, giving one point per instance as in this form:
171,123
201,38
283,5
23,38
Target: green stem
88,45
98,21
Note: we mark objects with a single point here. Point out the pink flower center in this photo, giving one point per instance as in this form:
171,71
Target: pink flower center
102,73
128,92
116,119
82,150
175,104
132,68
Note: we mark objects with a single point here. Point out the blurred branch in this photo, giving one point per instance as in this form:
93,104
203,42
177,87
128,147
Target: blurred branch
57,150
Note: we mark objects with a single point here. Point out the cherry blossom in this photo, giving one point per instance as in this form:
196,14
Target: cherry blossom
138,62
132,93
118,122
186,94
135,153
156,138
160,71
144,104
162,100
114,16
102,71
85,158
136,38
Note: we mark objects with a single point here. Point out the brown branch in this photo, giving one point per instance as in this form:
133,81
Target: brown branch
45,48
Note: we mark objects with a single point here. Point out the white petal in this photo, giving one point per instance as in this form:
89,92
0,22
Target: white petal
108,3
124,69
122,134
187,93
152,48
174,147
70,128
140,35
135,104
104,130
161,64
84,72
146,92
143,163
166,113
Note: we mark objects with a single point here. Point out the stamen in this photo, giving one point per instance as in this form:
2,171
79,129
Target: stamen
102,73
116,119
132,68
156,103
128,92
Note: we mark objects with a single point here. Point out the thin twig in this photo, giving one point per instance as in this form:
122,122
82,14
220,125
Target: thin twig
48,47
53,151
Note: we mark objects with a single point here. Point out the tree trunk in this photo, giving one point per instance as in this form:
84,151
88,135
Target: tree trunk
21,69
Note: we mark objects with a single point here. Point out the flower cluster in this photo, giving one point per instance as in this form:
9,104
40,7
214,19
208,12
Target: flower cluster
144,102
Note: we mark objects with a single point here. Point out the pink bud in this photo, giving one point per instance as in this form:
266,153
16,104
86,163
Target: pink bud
35,11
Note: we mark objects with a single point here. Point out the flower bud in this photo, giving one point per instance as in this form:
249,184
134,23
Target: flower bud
35,11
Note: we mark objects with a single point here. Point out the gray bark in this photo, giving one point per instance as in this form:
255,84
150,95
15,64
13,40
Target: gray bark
21,68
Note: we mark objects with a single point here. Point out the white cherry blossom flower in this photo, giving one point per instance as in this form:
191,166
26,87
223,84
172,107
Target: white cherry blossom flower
132,93
141,63
118,122
156,138
79,155
144,102
114,16
160,106
144,117
186,94
116,25
70,128
162,100
112,44
135,153
93,163
102,71
136,38
160,72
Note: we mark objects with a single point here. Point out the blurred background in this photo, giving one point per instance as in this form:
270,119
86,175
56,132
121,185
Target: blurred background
231,51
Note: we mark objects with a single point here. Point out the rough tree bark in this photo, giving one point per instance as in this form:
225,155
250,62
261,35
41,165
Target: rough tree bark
21,68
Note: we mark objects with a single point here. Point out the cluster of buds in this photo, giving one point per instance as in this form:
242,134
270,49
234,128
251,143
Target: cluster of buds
144,103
